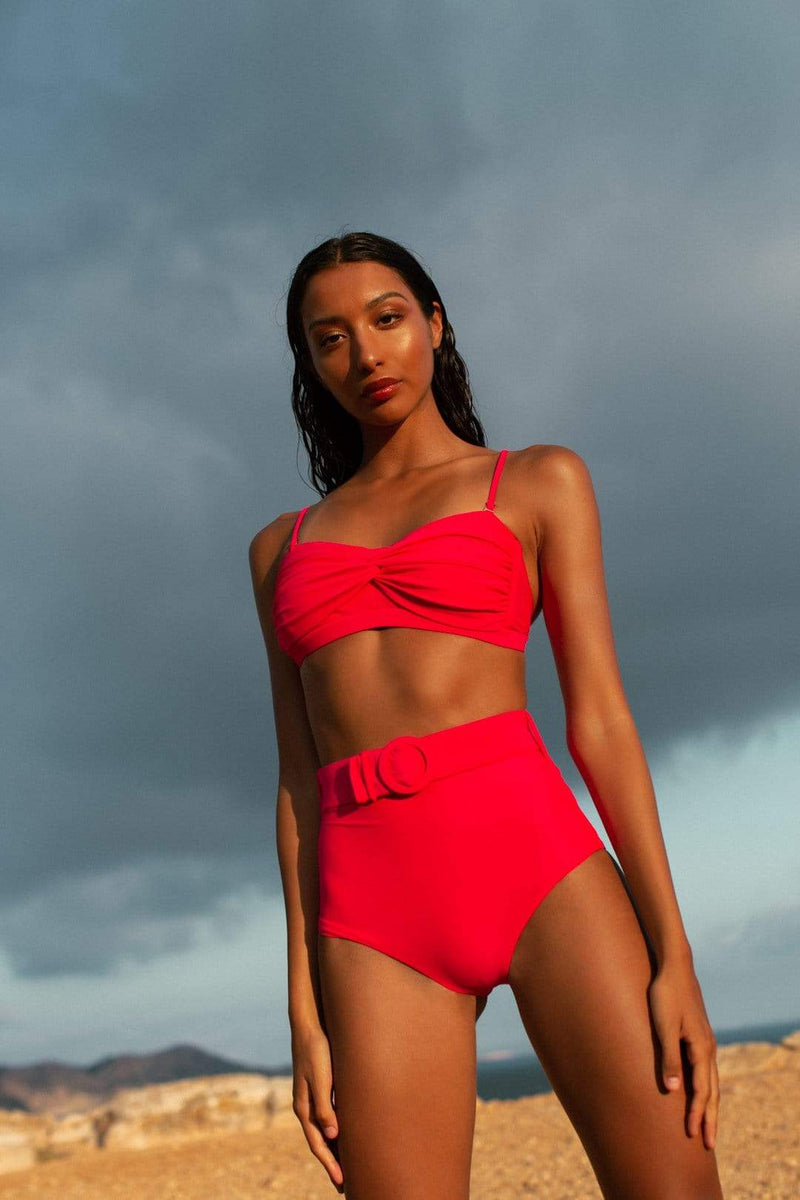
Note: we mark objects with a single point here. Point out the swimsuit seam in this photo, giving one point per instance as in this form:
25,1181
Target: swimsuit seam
467,512
336,929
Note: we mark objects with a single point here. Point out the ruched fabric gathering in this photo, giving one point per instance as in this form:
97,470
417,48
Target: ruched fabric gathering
464,574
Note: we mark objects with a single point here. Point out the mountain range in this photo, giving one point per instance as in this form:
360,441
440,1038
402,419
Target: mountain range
58,1087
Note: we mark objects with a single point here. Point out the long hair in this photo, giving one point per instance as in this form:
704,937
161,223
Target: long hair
332,437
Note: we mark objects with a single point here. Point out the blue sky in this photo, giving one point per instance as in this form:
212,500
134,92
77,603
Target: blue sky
606,198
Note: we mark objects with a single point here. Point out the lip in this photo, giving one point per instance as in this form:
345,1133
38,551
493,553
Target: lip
379,389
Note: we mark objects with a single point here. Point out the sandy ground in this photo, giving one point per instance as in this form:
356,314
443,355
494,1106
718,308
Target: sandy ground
523,1148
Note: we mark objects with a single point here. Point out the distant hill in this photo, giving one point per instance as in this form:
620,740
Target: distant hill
58,1087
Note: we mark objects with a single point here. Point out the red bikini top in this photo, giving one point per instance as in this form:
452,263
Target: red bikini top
462,574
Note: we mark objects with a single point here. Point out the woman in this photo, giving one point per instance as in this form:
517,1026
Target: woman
428,844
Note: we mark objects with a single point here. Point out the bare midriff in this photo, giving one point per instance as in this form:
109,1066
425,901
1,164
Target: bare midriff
368,687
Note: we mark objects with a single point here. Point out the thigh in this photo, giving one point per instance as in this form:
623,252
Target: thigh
404,1075
580,976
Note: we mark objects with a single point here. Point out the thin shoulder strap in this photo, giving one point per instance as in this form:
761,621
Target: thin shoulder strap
498,468
298,519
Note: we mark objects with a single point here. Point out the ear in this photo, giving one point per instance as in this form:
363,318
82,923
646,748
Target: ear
436,326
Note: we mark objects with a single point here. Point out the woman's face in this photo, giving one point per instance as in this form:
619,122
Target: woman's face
363,324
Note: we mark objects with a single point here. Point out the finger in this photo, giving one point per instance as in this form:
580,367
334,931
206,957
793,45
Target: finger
700,1058
322,1114
711,1118
322,1150
323,1111
303,1110
671,1068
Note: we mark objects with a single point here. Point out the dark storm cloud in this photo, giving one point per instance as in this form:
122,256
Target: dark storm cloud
249,110
130,914
606,199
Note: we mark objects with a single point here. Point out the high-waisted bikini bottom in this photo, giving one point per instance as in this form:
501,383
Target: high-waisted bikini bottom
437,849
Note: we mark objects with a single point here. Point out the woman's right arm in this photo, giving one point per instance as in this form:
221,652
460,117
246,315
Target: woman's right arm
297,814
297,829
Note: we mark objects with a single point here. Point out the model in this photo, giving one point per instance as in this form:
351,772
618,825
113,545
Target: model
429,847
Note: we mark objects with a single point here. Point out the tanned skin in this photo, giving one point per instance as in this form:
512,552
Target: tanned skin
602,974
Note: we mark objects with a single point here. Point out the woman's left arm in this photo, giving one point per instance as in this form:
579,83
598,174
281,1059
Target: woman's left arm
605,746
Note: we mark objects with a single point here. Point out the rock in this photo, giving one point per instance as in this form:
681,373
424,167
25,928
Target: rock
17,1150
739,1058
742,1058
73,1132
139,1118
280,1096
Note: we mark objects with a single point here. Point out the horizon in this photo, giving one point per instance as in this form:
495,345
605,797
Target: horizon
498,1056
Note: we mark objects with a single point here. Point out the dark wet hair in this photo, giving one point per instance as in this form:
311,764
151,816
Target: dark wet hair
332,436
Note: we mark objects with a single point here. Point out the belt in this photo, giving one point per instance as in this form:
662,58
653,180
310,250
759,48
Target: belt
405,764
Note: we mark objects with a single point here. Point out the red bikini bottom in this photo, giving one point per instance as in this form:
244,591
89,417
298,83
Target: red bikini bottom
435,850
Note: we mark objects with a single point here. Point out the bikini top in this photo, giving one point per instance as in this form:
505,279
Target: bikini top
462,574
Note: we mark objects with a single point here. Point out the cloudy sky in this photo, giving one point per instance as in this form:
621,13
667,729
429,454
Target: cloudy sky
606,196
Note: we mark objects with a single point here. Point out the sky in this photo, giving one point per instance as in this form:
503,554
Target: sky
606,198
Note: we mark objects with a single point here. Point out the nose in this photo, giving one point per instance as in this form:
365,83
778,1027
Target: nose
366,352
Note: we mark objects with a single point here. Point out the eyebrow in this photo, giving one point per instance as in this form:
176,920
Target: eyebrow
370,304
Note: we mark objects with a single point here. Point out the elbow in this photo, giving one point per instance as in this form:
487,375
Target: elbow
589,730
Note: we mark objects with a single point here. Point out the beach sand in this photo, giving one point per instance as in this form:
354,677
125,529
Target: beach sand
523,1148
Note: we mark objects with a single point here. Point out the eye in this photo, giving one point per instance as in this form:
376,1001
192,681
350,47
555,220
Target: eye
327,340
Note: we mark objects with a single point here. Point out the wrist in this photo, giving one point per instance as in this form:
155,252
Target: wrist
675,952
304,1021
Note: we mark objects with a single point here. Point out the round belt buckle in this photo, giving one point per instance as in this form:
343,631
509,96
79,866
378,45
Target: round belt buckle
402,765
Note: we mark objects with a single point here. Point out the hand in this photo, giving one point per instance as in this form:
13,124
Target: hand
676,1004
311,1098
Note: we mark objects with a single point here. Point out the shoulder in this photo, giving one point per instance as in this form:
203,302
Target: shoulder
557,484
266,546
555,471
557,464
